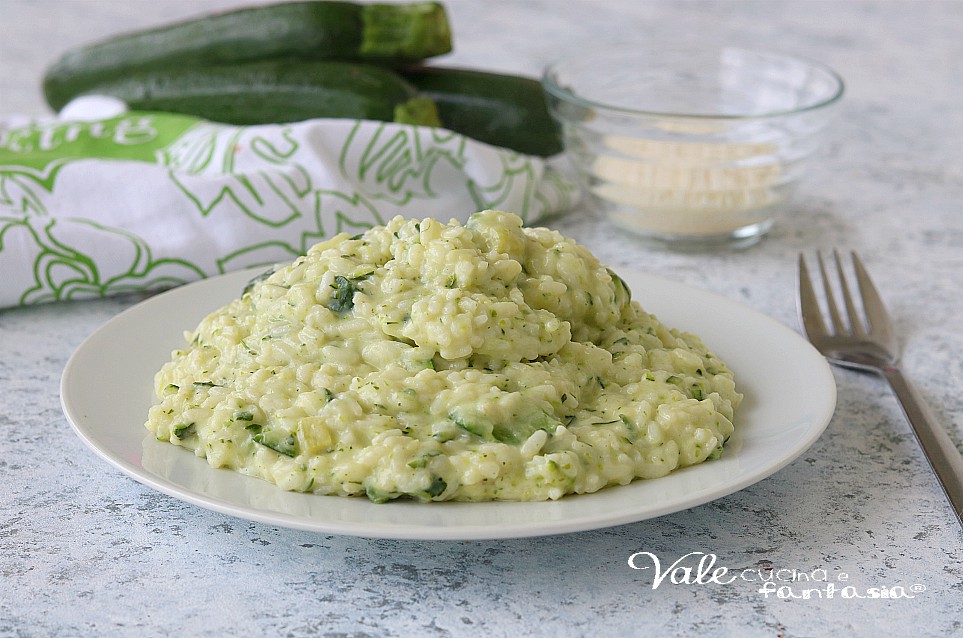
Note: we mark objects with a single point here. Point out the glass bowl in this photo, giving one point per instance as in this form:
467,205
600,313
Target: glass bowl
691,149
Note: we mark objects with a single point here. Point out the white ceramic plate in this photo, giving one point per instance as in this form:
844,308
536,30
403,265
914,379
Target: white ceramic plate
106,391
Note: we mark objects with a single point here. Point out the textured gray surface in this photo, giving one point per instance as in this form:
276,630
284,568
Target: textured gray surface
84,551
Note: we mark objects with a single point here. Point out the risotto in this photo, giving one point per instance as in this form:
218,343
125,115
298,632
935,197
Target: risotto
444,362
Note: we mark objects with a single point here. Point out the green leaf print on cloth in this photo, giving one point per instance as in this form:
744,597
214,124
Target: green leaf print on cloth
146,201
60,272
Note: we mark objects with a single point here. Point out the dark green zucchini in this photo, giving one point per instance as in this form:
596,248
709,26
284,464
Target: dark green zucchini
504,110
269,92
314,30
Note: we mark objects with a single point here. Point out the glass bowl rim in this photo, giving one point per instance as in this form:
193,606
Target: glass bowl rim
551,87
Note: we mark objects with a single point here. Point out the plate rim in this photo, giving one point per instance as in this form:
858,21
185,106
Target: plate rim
146,477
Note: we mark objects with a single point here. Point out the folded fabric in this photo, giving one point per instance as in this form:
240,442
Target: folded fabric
144,201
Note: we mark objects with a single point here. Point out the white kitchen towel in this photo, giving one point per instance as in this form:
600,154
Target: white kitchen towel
145,201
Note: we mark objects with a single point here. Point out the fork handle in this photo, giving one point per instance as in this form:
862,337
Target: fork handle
940,451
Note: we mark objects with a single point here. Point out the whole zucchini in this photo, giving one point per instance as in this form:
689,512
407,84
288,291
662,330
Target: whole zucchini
312,30
504,110
278,91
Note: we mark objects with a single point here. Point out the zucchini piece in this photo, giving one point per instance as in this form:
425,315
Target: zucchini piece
504,110
316,30
253,282
623,294
183,430
375,495
437,487
280,442
274,92
342,301
515,432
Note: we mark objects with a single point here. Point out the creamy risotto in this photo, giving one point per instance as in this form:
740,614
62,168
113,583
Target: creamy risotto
444,362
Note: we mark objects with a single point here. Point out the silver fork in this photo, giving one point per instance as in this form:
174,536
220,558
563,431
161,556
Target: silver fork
866,341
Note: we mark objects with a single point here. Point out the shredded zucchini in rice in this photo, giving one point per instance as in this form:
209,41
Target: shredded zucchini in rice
444,362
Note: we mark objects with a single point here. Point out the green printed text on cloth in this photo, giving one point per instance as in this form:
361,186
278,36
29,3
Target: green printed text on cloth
145,201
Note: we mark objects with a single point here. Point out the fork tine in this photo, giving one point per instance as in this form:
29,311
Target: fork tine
880,326
808,304
838,324
855,321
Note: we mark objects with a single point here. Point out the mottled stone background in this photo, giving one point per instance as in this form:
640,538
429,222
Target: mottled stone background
85,551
